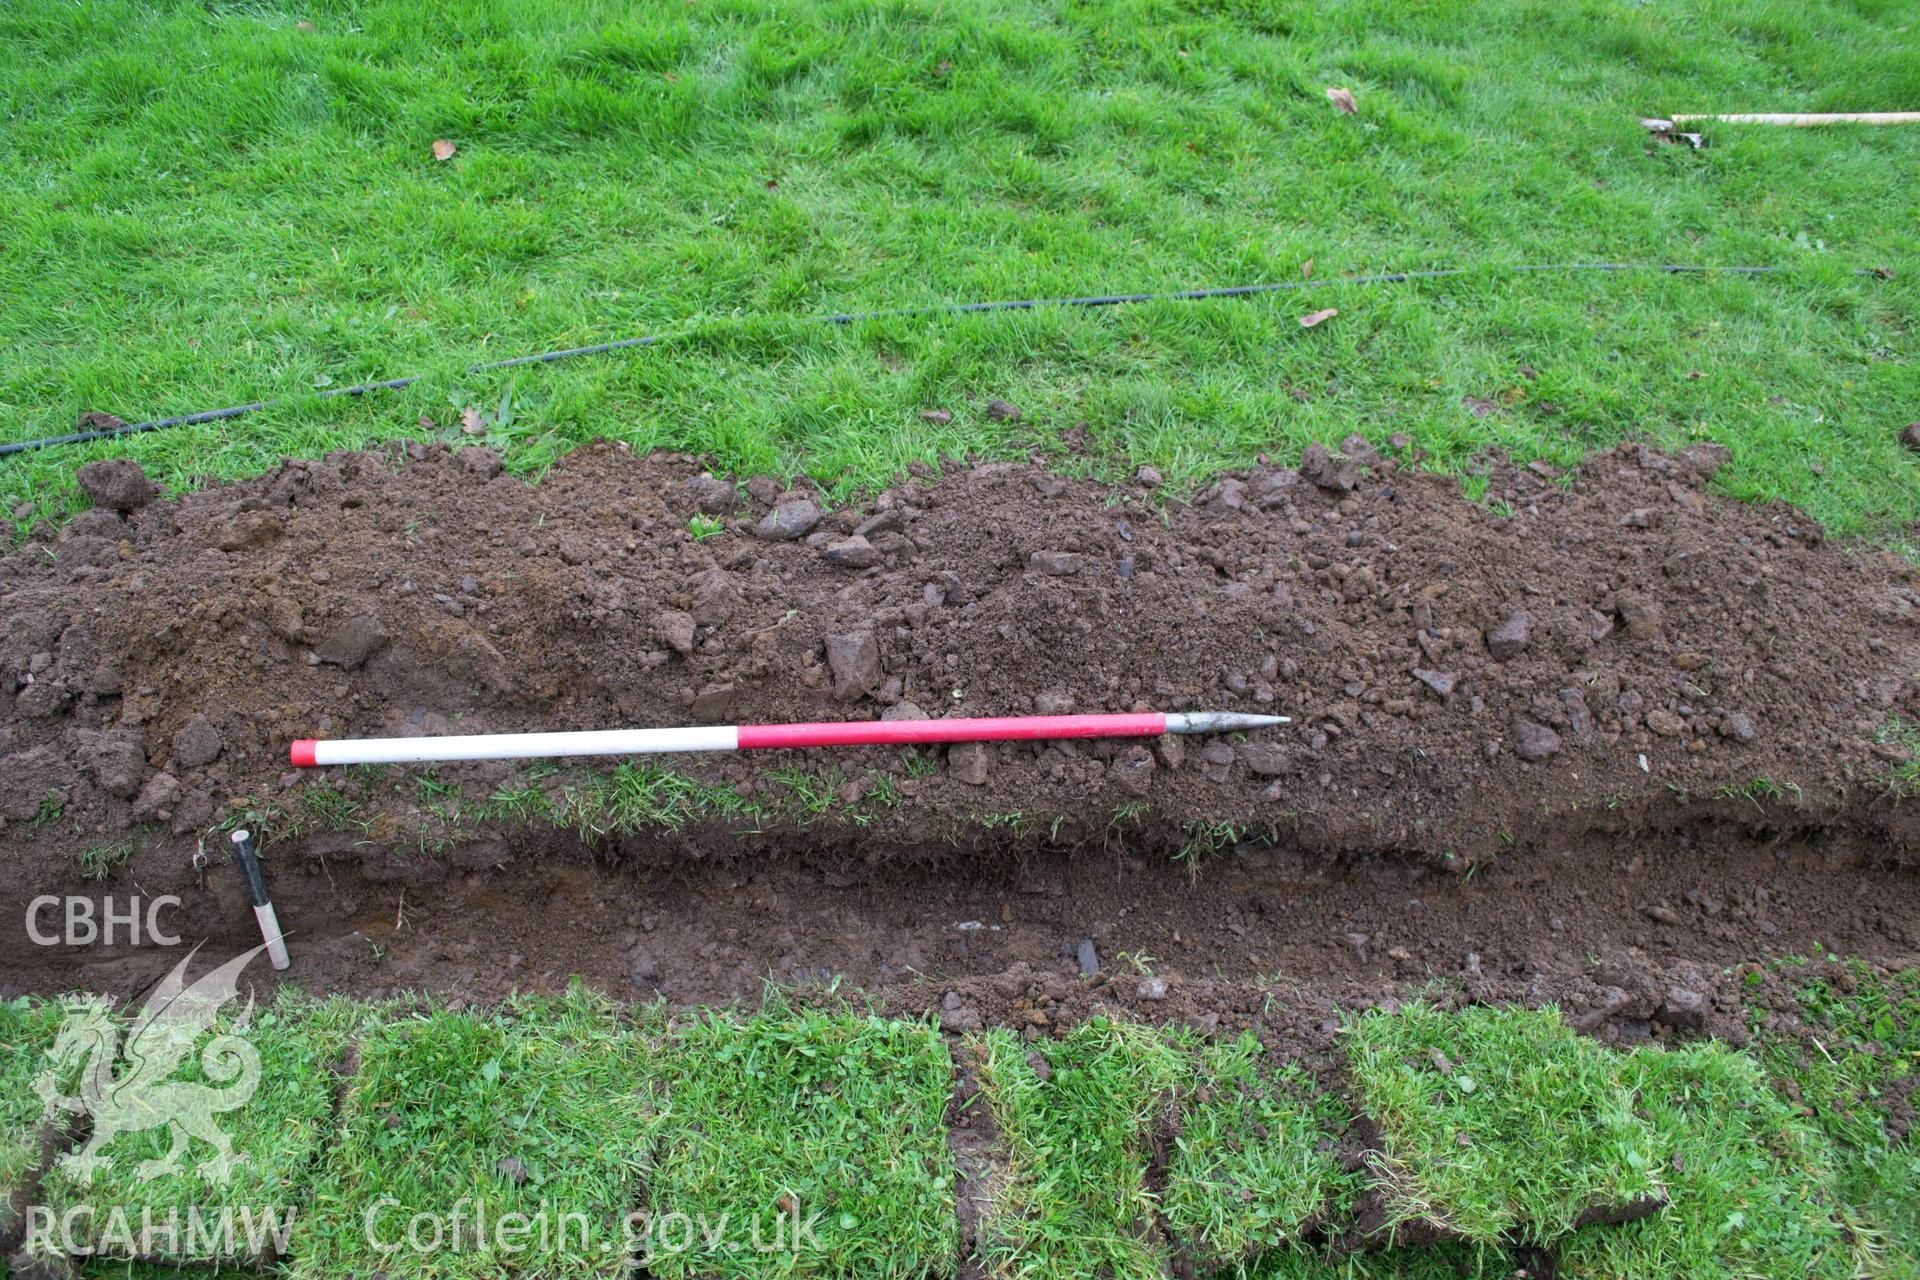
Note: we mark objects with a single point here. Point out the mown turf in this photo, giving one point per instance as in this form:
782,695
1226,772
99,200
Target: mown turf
27,1029
1494,1125
803,1144
724,1119
1855,1054
201,205
277,1136
1076,1118
1749,1181
1254,1166
541,1109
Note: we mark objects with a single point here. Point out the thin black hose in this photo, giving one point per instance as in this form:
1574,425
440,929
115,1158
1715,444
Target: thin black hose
854,317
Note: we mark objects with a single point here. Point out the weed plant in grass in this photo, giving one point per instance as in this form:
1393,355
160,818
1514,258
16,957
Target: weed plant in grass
542,1108
277,1135
1494,1126
1749,1181
1254,1166
791,1118
206,205
1077,1118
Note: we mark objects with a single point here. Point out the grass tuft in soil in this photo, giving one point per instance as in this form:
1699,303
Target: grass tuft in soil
1493,1126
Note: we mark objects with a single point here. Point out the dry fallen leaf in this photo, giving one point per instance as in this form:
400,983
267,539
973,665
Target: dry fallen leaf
471,422
303,26
1343,99
1306,269
443,149
1318,317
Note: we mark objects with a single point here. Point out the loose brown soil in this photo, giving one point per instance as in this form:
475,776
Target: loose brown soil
1656,728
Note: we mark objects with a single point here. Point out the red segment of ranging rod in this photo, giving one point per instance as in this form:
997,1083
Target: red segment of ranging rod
855,733
310,752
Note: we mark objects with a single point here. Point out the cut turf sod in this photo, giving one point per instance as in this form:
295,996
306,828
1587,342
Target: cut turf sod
141,1203
1493,1126
1749,1182
802,1143
539,1109
1846,1048
1253,1166
1078,1118
27,1030
1422,1262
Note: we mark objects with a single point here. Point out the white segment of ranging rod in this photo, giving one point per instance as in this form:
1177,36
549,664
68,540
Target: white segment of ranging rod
527,746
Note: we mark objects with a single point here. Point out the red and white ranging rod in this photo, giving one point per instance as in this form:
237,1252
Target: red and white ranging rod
309,752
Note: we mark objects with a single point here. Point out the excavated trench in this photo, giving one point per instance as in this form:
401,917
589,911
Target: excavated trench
985,938
1598,743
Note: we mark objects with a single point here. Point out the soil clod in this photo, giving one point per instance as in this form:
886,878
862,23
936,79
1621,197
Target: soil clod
117,484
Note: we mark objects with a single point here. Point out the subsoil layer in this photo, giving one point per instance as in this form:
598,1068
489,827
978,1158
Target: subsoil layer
1660,730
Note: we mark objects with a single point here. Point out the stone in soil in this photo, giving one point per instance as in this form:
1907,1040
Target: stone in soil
968,762
854,659
1534,741
675,630
711,496
354,641
852,553
1056,564
789,521
1509,638
1328,469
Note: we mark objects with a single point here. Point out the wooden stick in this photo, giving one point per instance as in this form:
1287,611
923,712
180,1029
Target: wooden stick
1797,120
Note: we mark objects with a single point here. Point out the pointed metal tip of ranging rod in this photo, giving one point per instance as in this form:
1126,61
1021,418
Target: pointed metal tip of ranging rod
1219,722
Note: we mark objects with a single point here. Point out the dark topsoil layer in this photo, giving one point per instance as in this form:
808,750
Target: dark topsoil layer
1619,659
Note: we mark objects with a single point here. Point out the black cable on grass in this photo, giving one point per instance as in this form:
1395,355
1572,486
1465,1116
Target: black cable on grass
854,317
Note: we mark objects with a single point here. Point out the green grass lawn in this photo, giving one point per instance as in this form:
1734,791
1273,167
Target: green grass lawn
1750,1181
208,204
1862,1050
1254,1166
